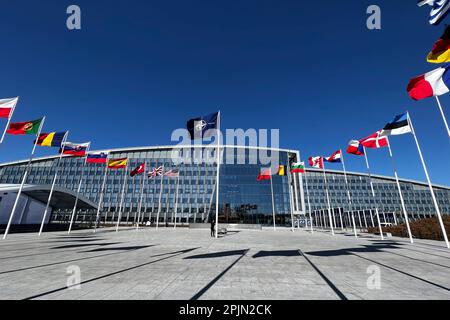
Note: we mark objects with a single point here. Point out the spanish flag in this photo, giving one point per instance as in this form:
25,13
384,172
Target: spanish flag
441,49
117,163
53,139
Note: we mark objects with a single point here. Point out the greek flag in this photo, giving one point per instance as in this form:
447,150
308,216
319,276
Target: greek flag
439,11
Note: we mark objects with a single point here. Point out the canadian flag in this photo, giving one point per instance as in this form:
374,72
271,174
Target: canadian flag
316,162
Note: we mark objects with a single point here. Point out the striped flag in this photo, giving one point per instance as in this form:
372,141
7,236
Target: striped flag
439,9
335,157
174,173
97,157
7,107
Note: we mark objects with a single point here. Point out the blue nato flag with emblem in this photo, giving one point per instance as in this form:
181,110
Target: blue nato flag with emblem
203,127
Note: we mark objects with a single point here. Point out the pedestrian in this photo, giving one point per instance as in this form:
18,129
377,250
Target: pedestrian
213,228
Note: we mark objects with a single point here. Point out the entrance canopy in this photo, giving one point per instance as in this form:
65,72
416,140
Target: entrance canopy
62,198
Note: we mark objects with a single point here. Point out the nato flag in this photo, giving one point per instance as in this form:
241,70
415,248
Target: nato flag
203,127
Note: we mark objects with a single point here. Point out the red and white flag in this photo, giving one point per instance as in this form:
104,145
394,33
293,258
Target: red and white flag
140,169
335,157
7,107
316,162
375,141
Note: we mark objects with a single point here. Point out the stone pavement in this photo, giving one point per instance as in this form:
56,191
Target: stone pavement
188,264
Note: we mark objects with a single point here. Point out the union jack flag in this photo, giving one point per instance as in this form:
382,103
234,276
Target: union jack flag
156,172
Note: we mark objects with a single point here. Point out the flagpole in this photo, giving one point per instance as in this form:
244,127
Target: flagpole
328,198
9,121
176,199
53,183
309,202
373,194
141,197
23,181
400,192
290,196
443,115
78,191
273,203
160,198
102,191
350,202
438,211
119,216
218,174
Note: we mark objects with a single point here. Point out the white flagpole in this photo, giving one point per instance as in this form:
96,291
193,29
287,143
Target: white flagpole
438,211
328,199
309,202
373,194
443,115
141,197
119,217
176,199
27,168
102,191
273,203
53,183
290,196
9,121
160,198
78,190
350,202
218,174
400,192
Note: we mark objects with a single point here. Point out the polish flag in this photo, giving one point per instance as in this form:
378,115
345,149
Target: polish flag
7,107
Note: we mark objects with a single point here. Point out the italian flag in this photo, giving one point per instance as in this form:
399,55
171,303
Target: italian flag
298,167
29,127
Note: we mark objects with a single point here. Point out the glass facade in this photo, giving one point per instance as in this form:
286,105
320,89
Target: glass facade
417,196
242,199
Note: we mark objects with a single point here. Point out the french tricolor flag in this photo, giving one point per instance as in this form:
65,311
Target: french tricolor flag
431,84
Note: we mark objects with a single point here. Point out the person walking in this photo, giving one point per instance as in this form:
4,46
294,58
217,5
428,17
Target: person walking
213,228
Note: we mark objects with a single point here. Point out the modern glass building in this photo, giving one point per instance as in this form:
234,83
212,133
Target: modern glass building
191,197
242,199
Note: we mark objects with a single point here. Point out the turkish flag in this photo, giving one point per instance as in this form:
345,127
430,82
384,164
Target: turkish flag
140,169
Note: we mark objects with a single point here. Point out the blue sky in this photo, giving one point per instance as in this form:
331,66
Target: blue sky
139,69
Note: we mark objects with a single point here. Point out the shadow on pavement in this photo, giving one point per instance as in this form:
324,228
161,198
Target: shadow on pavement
285,253
218,254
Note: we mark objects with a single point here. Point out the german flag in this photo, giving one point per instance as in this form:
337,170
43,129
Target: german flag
117,163
53,139
441,49
28,127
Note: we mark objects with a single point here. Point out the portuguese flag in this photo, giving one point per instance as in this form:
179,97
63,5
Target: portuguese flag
298,167
29,127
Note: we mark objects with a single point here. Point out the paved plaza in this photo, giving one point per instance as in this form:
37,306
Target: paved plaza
188,264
